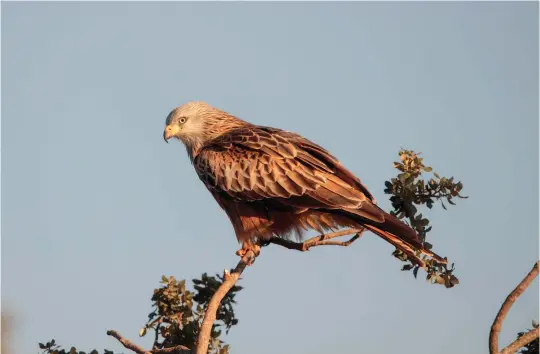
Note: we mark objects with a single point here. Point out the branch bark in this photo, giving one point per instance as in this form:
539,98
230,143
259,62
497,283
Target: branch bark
521,341
499,319
229,280
321,240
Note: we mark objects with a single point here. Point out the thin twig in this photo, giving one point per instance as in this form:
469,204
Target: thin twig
140,350
229,280
156,337
321,240
339,243
499,319
127,343
521,341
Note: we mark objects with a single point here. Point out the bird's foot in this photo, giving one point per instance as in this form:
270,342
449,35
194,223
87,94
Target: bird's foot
249,252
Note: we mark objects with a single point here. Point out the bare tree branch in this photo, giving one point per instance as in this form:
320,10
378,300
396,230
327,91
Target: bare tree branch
499,319
321,240
140,350
127,343
229,280
521,341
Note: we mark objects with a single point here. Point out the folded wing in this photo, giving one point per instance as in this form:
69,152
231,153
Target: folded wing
261,163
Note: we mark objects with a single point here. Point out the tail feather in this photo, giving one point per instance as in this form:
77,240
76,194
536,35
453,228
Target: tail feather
402,236
399,244
404,232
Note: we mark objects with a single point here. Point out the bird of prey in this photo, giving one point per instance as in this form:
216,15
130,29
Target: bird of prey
272,182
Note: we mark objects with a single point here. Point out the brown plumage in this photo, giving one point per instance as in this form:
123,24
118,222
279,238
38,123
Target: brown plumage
274,182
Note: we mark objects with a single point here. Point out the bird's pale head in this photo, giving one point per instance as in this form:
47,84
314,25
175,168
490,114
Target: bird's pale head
196,123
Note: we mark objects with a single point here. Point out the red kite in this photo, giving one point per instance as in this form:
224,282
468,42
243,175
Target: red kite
271,182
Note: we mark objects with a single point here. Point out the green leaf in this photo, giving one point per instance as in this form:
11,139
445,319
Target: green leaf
453,281
428,169
142,332
439,280
41,346
164,279
409,180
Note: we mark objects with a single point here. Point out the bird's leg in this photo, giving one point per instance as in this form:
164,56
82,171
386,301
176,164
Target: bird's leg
249,249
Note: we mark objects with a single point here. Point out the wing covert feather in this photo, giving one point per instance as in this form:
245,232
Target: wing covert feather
255,163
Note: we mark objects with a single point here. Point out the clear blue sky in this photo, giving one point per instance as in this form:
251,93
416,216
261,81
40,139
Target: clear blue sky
96,207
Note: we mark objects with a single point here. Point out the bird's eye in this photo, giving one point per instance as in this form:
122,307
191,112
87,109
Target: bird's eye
182,120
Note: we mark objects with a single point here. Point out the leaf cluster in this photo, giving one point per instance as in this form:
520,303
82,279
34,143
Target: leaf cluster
53,348
409,190
177,313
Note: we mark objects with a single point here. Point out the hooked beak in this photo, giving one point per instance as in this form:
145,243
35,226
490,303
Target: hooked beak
170,131
165,137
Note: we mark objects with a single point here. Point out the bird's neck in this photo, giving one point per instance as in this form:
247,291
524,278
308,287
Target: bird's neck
216,126
193,147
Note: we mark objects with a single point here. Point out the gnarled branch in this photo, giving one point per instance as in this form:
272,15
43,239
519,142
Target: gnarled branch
179,349
499,319
229,280
321,240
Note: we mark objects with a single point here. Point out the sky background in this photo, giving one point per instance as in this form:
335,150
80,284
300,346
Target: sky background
96,207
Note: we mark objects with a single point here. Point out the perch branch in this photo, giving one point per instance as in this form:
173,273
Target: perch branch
229,280
521,341
140,350
321,240
499,319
